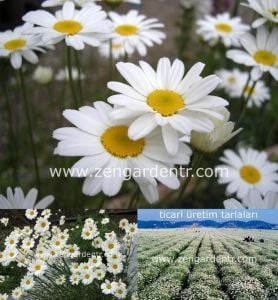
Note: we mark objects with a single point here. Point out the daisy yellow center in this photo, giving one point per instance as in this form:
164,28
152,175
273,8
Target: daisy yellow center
15,44
249,90
37,267
250,174
110,246
27,281
265,57
69,27
115,266
165,102
116,141
232,79
127,29
224,27
274,12
87,276
43,224
132,229
108,286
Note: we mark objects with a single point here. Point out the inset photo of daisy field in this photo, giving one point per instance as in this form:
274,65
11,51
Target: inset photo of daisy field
68,254
125,104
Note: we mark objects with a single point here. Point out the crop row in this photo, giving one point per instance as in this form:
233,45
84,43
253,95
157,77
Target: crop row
170,282
237,283
204,283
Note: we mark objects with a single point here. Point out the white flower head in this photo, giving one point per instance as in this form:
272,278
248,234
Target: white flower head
105,144
17,200
261,52
27,282
17,44
268,10
258,93
135,31
76,27
37,267
43,75
31,214
166,98
250,169
221,134
108,288
222,28
63,74
254,200
117,49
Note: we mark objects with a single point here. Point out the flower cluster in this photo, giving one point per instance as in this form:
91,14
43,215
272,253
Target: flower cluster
39,249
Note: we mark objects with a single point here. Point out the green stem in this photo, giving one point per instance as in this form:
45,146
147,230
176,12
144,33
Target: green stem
13,140
133,198
196,160
243,111
71,81
30,126
110,60
79,81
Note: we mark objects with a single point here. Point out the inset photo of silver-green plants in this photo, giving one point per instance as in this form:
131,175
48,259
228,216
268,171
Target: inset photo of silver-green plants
125,104
67,255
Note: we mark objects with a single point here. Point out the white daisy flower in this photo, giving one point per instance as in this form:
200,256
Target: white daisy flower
110,245
105,221
60,280
27,282
268,9
123,224
221,134
17,293
231,80
43,75
74,279
16,44
31,214
222,28
165,98
27,243
42,225
4,296
4,221
87,277
63,75
37,267
254,200
121,290
118,49
131,228
107,147
261,52
135,31
76,27
17,200
115,267
107,287
250,169
259,93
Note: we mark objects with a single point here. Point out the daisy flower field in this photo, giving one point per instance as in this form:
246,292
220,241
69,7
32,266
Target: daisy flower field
126,104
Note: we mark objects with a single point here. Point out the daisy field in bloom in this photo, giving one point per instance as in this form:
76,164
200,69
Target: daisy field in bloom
261,52
246,170
135,31
43,260
105,145
167,98
76,27
222,28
